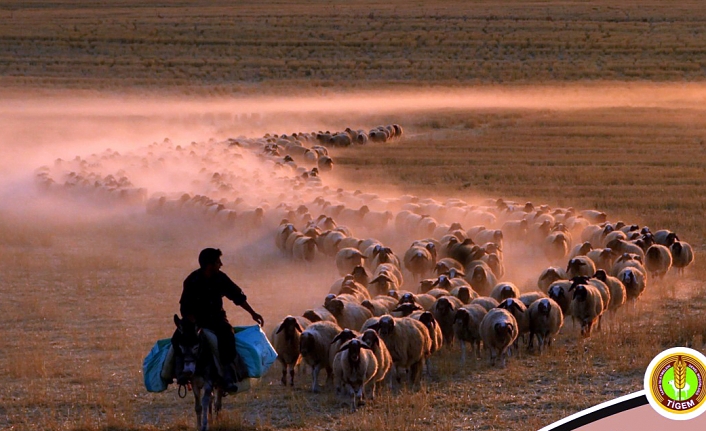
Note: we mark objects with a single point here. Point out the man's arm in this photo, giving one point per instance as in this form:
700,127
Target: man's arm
255,316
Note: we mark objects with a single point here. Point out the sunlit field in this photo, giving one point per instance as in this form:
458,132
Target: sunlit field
580,105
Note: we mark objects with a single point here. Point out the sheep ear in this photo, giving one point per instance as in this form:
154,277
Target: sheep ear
337,338
177,322
280,328
364,345
297,327
344,347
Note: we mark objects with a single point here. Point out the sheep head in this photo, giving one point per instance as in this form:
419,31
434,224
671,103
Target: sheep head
335,306
464,294
407,308
289,325
387,325
371,338
462,316
428,320
544,306
344,336
601,275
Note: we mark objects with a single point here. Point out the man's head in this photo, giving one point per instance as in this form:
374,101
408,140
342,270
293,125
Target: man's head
209,256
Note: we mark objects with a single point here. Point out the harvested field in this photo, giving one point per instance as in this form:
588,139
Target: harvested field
565,104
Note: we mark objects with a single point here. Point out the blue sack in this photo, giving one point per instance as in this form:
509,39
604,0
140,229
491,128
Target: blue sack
255,349
152,366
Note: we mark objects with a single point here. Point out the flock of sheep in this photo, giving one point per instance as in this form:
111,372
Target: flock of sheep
417,275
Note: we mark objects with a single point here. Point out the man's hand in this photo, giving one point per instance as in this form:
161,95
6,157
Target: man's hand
256,317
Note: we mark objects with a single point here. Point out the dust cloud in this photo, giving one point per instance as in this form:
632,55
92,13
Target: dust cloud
168,146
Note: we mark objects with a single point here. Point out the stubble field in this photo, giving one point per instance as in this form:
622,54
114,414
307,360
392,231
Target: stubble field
87,288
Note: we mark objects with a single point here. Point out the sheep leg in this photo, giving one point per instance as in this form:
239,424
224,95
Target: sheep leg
291,376
463,352
416,373
540,342
428,362
315,376
284,374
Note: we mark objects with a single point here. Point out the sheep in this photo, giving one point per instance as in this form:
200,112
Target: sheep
360,292
580,265
348,315
347,259
682,255
443,265
380,305
581,249
314,344
625,261
549,276
419,261
338,341
559,292
634,281
444,310
603,258
285,340
493,261
665,237
616,288
620,246
658,260
486,302
435,333
408,342
385,255
304,249
528,298
504,290
467,327
586,307
545,321
519,312
482,279
426,301
556,245
498,330
384,360
319,314
283,232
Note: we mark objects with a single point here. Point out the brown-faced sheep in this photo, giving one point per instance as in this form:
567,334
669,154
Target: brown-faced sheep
444,311
580,265
504,290
384,360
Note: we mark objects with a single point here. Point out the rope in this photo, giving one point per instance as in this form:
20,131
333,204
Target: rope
186,389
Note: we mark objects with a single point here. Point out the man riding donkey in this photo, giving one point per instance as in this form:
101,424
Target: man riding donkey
202,304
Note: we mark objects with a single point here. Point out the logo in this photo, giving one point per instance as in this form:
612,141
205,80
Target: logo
674,383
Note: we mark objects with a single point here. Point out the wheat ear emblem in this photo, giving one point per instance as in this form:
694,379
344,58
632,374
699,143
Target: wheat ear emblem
679,376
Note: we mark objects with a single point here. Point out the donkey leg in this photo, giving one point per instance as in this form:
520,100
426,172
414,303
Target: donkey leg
206,405
197,404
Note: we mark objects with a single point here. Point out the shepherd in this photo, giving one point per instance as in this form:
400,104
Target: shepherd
201,303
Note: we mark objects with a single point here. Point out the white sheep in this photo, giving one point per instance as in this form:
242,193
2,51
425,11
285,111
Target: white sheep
504,290
602,257
285,340
586,307
419,261
549,276
618,295
384,360
545,321
304,249
498,330
347,259
348,315
635,282
556,245
580,265
408,342
559,292
437,337
658,260
628,260
581,249
486,302
314,346
380,305
482,279
444,311
467,327
682,255
528,298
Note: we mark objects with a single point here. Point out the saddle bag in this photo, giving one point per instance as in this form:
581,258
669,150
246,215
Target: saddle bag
153,364
256,354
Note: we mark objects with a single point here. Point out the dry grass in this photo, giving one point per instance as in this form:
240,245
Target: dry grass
243,47
84,298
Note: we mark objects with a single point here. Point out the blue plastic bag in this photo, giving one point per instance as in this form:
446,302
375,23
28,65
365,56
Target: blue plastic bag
152,366
255,349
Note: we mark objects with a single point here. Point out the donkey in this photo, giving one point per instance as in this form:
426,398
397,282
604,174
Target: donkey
201,370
